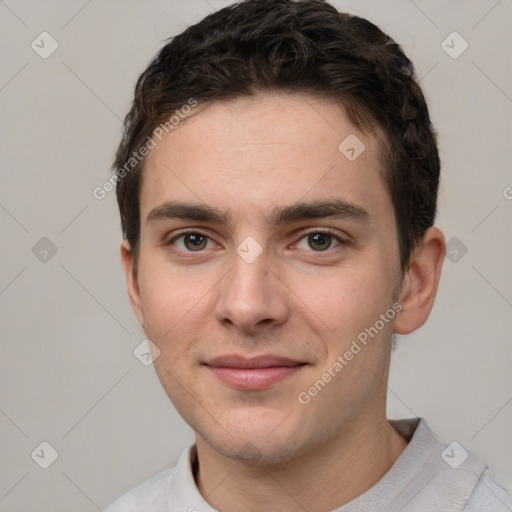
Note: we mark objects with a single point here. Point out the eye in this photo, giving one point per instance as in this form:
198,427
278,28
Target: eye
191,241
319,241
195,241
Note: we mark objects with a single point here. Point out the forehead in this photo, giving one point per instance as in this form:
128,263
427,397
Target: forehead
270,150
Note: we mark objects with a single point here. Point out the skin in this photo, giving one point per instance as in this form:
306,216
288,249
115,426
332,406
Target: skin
263,449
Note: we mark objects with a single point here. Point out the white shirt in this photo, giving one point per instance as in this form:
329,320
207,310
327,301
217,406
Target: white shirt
429,476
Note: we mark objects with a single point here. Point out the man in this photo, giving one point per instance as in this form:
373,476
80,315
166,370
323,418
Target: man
277,182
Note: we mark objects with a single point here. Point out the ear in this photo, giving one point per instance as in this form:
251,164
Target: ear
420,282
131,281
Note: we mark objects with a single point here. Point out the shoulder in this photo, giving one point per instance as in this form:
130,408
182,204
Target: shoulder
149,496
431,475
488,496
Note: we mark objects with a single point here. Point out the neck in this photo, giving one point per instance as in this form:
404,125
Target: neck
323,479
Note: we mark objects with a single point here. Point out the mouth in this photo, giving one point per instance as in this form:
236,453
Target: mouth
255,373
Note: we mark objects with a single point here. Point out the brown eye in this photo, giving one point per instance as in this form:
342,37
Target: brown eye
195,242
191,242
319,241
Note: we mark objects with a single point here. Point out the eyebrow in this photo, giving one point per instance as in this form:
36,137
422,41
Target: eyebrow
319,209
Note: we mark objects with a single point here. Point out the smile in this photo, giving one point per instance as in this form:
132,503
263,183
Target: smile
255,373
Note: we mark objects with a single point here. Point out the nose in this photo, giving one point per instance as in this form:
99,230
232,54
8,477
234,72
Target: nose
251,297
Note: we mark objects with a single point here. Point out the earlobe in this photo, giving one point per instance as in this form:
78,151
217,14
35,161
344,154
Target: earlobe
420,282
131,280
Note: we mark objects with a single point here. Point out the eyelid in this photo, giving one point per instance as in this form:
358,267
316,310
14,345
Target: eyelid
326,231
189,231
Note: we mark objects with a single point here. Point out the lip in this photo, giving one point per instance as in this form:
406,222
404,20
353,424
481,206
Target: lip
253,373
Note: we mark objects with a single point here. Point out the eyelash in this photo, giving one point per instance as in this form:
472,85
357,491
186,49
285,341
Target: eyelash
324,231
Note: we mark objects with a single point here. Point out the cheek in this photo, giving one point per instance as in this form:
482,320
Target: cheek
173,306
343,302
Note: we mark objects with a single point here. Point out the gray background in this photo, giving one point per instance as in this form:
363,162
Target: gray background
68,375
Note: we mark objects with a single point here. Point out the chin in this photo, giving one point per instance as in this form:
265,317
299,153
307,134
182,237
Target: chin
258,440
254,452
263,451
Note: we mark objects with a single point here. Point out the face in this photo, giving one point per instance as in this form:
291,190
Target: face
266,254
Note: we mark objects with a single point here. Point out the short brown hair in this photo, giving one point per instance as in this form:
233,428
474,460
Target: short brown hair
303,46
